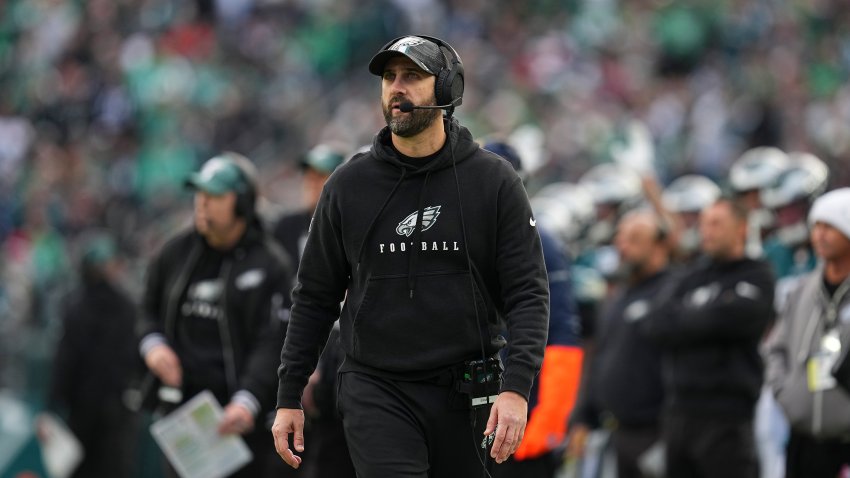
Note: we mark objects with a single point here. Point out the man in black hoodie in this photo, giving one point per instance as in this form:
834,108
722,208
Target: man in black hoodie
709,324
431,243
213,304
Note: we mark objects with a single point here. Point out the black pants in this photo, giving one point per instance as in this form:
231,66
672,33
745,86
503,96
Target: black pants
410,429
327,452
108,435
629,444
710,448
811,458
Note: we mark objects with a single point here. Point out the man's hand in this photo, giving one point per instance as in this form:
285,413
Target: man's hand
289,420
237,420
507,418
163,362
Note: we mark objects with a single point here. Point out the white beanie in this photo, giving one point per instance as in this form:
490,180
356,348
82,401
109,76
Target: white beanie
833,208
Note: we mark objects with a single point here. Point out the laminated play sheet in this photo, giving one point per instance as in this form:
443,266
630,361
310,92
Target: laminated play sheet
190,440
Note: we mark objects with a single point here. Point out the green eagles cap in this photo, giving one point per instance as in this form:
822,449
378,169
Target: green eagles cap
323,158
218,176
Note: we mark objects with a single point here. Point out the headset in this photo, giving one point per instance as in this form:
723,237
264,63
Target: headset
246,194
448,82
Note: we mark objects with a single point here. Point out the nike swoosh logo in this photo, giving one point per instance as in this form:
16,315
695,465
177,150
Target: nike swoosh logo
532,222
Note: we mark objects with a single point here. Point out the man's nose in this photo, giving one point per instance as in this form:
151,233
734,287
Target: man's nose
397,87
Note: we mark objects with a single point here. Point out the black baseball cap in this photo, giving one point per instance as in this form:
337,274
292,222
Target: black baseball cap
422,51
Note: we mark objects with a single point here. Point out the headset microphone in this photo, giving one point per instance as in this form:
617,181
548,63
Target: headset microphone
407,107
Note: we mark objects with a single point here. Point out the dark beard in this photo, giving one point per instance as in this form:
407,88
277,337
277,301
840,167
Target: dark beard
414,122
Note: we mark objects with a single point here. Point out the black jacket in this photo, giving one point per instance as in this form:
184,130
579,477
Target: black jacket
290,230
710,324
96,356
256,297
409,306
624,376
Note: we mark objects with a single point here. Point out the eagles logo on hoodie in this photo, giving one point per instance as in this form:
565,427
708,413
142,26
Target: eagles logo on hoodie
408,224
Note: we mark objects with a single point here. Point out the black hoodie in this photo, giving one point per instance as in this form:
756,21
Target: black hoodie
408,310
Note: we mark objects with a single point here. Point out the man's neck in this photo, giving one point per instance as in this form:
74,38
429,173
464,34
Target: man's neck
653,267
228,240
423,144
735,253
835,272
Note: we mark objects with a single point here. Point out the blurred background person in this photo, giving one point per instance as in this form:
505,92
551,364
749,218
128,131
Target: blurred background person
709,324
788,247
95,363
316,166
566,211
554,392
804,350
755,170
686,197
327,454
615,189
211,318
623,390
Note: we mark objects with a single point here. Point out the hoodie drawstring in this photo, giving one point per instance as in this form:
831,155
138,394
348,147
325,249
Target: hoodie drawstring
413,260
375,219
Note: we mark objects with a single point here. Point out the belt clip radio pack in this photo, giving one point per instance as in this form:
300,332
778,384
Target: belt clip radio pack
481,380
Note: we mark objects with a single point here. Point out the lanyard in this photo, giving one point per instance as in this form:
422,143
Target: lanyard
830,304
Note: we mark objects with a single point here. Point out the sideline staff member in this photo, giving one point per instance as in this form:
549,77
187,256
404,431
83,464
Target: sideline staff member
212,305
709,324
431,242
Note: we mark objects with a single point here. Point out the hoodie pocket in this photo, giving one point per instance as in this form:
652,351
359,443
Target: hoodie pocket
436,328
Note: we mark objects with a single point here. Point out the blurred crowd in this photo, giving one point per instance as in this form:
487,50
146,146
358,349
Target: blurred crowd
107,105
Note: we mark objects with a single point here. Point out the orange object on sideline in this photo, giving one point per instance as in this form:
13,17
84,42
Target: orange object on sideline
556,395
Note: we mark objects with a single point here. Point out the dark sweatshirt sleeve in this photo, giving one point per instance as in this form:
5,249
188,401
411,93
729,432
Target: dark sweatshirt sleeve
322,281
260,379
524,287
150,323
743,309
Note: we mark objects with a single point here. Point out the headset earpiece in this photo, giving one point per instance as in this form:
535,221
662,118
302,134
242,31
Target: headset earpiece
245,203
448,84
246,195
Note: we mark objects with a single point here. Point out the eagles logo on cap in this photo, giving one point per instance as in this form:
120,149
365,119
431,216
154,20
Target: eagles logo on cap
405,42
425,53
